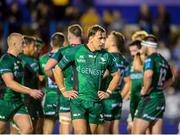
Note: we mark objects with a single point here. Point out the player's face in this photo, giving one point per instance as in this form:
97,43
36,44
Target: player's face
98,40
133,50
32,49
109,41
19,45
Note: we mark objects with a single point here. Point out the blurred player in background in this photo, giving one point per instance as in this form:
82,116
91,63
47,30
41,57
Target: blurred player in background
74,38
113,104
157,77
11,71
31,79
51,103
134,75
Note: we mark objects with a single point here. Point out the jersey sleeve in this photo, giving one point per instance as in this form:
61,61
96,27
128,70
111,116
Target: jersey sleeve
148,64
112,65
5,66
57,56
66,60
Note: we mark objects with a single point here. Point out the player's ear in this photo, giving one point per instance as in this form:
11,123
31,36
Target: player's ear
91,39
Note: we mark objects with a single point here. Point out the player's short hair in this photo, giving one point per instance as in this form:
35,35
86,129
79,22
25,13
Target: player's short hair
11,36
75,29
139,35
136,43
94,29
29,39
57,39
119,39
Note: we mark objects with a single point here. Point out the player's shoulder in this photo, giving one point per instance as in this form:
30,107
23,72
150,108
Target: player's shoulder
44,56
5,57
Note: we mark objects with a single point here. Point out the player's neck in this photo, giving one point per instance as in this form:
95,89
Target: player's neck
91,48
13,52
75,42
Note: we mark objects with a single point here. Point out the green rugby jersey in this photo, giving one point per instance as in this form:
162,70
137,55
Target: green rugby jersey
31,71
122,64
50,85
136,80
68,72
161,71
11,64
90,67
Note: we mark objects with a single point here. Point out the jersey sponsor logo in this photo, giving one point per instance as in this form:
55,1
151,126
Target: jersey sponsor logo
108,115
103,61
65,108
81,56
16,66
160,108
91,56
2,117
49,113
81,59
149,117
90,71
137,76
76,114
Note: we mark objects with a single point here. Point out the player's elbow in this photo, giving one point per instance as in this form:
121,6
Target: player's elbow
47,68
10,84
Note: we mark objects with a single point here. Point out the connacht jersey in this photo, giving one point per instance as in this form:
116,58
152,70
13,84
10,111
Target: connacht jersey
11,64
68,72
122,64
90,67
136,80
31,71
161,71
50,85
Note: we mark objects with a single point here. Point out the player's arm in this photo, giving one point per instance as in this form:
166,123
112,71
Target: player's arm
137,63
147,80
49,66
170,78
112,86
12,84
59,78
106,73
126,89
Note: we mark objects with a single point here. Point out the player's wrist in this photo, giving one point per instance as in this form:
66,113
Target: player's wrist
109,91
62,89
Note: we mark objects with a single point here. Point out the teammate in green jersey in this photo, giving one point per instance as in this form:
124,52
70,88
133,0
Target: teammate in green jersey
90,62
31,80
133,76
113,105
74,39
157,77
11,72
51,103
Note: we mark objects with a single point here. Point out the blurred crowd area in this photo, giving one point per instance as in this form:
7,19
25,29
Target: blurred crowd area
42,18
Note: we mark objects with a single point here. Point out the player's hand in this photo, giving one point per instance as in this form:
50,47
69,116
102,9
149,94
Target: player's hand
103,95
70,94
37,94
